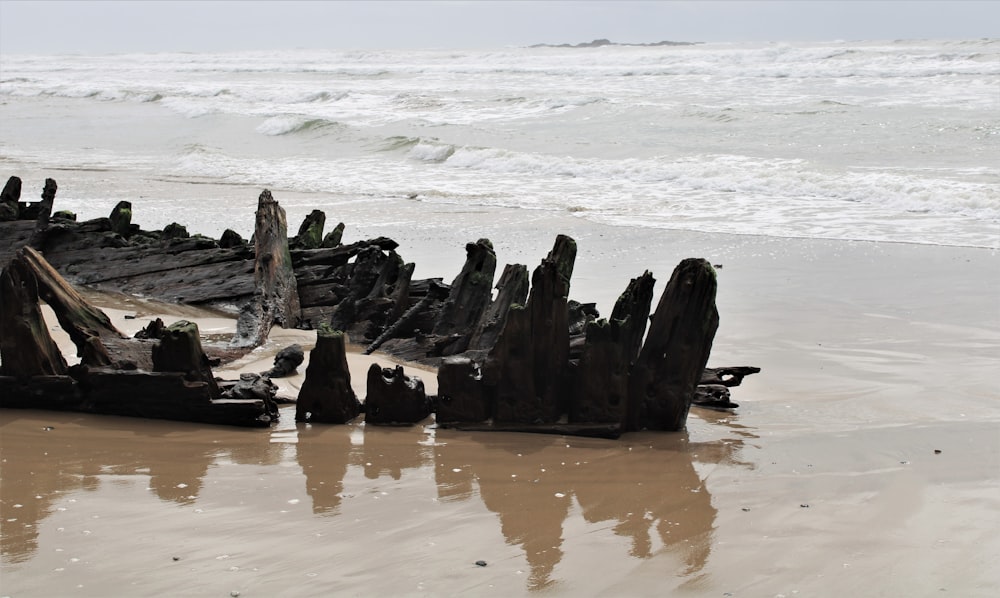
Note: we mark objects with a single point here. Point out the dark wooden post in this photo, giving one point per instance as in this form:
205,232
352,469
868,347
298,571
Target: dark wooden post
326,395
511,289
611,348
11,194
633,307
276,298
509,369
601,382
310,235
121,219
334,237
670,364
44,208
469,295
549,326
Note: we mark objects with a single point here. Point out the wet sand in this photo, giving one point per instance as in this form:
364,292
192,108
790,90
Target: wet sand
864,459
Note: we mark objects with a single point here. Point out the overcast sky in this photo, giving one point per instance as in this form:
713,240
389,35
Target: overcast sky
79,26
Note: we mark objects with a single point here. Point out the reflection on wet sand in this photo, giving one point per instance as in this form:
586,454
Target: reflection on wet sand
644,488
63,453
323,453
639,484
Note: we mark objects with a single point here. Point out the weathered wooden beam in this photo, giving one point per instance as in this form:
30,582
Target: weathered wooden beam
276,299
510,371
436,292
549,327
26,348
727,376
59,393
469,296
512,288
87,326
601,378
633,307
670,364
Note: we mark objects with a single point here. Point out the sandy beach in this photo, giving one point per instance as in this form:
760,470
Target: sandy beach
864,459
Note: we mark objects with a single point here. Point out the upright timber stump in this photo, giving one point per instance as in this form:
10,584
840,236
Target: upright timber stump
179,350
395,398
276,296
670,365
326,395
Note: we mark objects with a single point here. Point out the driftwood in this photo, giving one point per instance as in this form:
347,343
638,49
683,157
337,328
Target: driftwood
528,359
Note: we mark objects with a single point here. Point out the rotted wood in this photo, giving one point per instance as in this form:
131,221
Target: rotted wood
362,302
727,376
44,208
26,348
512,289
276,298
88,327
549,328
468,298
334,237
59,393
670,365
394,398
9,197
601,378
310,235
326,395
509,369
461,395
121,219
179,350
713,388
632,308
168,395
436,293
286,362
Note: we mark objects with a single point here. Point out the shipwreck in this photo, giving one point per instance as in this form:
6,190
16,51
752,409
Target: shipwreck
524,358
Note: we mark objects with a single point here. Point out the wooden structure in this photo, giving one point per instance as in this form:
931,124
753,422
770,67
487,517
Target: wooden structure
528,358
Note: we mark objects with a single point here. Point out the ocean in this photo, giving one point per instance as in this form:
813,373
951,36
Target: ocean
847,193
891,141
